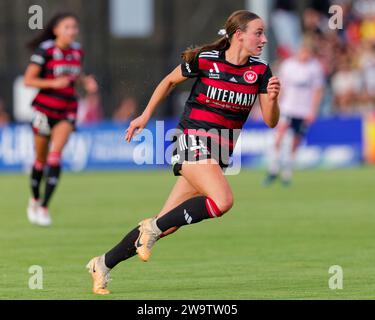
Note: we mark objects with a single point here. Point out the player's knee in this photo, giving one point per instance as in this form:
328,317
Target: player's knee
39,163
54,158
225,203
220,205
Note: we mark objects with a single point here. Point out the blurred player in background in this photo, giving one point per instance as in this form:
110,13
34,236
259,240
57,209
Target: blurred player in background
302,78
54,68
228,77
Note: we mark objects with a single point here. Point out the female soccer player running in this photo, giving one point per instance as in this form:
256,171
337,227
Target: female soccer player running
228,78
54,68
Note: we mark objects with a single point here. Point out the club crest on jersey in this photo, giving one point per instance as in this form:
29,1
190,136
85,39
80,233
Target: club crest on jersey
76,55
250,76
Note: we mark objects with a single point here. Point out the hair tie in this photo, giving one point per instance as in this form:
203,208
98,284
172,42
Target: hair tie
223,33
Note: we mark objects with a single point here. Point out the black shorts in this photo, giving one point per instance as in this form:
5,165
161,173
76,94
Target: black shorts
189,147
298,125
42,124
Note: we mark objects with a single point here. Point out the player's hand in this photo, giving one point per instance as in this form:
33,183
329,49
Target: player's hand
135,127
273,88
310,119
90,84
61,82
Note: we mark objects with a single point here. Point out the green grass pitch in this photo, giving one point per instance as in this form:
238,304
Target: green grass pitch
276,243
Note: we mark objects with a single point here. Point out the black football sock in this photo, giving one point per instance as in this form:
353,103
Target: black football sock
125,249
52,180
36,178
191,211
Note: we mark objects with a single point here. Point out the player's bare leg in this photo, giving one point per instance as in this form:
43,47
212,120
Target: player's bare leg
59,137
274,167
41,151
287,172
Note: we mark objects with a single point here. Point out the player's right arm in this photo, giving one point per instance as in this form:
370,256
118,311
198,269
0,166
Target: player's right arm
32,79
160,93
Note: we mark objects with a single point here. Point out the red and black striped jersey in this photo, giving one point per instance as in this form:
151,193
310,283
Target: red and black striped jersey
55,62
223,93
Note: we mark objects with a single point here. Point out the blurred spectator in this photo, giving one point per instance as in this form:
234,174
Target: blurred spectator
346,84
326,47
90,109
313,23
126,109
321,6
363,7
286,27
367,67
350,33
367,28
347,55
4,117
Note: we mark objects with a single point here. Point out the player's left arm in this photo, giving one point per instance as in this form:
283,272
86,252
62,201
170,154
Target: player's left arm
86,80
318,80
269,103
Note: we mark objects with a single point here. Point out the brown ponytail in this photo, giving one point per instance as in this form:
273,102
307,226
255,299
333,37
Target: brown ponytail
47,33
237,20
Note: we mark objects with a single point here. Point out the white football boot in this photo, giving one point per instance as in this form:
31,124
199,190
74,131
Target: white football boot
44,218
32,210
